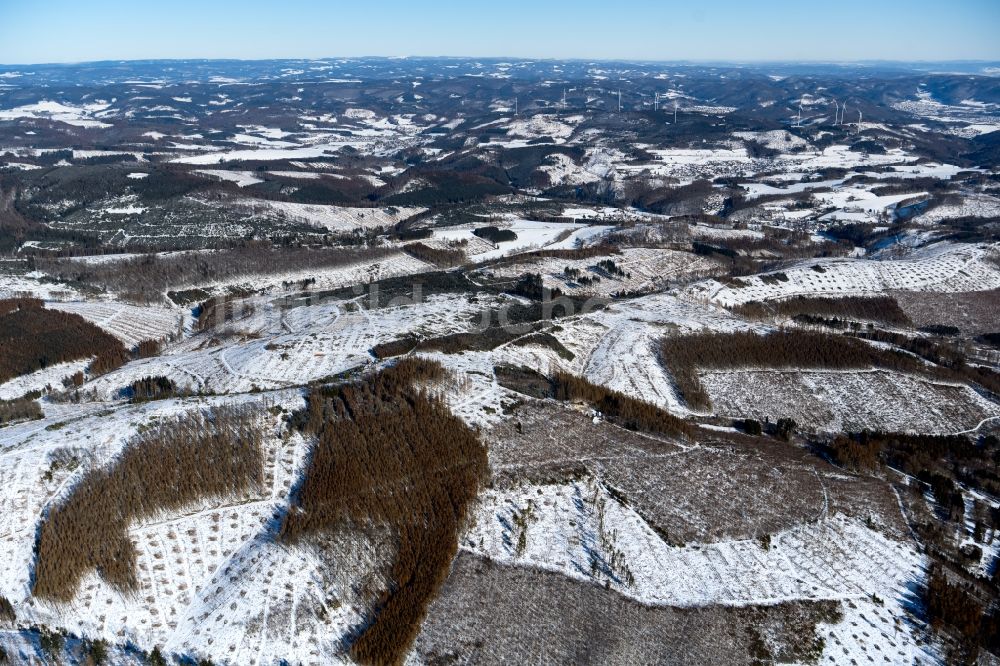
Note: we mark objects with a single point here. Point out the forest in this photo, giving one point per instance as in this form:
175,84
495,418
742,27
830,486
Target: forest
957,605
442,258
33,337
495,235
201,455
389,454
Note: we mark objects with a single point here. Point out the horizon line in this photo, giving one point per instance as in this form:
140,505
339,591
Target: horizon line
694,61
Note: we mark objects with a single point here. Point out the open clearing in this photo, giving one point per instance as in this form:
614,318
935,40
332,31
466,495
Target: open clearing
852,401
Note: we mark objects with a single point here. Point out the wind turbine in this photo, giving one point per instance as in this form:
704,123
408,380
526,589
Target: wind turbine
798,121
675,112
836,112
656,101
515,106
619,100
859,121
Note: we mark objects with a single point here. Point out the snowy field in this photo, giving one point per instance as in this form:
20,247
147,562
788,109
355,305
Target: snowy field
848,401
361,273
581,531
589,542
531,235
646,269
616,347
338,218
39,380
34,284
562,170
943,267
688,164
129,323
277,348
971,205
241,178
78,115
275,599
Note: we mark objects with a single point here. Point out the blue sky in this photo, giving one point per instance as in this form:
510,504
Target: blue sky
34,31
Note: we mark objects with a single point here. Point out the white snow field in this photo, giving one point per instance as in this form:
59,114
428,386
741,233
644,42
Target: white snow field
943,267
846,195
213,582
41,379
646,269
707,185
277,348
580,530
562,170
211,571
554,127
531,235
129,323
849,401
731,159
81,116
323,136
34,284
774,139
361,273
615,347
241,178
971,205
339,218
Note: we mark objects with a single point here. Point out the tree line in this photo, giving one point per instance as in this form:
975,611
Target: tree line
619,408
882,309
151,388
19,409
569,254
684,356
145,279
217,453
948,357
440,257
